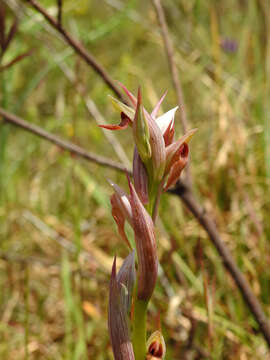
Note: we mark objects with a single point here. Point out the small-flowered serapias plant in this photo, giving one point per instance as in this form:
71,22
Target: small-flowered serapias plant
158,161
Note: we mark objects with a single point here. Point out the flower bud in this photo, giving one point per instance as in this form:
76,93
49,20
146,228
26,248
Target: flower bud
127,276
146,247
123,201
140,177
121,211
155,346
119,219
120,288
141,131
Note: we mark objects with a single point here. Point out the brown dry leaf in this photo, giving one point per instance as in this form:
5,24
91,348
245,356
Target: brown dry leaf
91,310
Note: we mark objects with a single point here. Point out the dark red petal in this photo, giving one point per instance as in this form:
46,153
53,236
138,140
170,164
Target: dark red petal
169,134
175,173
125,121
178,162
156,349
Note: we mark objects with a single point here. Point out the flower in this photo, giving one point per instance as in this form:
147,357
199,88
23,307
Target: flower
163,158
158,162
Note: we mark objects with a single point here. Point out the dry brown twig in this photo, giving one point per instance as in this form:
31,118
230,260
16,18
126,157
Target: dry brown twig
174,74
182,190
172,65
77,47
72,148
16,60
59,15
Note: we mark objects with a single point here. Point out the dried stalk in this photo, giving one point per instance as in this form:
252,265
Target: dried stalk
59,14
73,148
172,65
174,73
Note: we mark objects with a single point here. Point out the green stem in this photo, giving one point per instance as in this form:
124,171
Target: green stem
139,329
152,194
157,201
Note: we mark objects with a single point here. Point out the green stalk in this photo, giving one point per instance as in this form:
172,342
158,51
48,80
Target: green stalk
139,329
152,194
157,201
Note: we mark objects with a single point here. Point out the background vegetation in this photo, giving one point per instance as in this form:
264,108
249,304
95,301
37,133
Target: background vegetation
57,234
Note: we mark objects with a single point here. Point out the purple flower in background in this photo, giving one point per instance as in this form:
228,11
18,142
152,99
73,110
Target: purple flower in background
229,45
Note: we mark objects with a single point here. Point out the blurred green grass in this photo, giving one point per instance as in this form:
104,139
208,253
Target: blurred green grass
53,298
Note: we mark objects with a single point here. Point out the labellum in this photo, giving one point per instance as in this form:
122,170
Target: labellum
156,348
172,150
179,161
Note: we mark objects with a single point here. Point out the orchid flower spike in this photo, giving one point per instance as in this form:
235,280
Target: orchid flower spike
158,162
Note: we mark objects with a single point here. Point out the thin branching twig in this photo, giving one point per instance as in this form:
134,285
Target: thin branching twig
59,14
78,48
174,73
73,148
16,60
172,65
